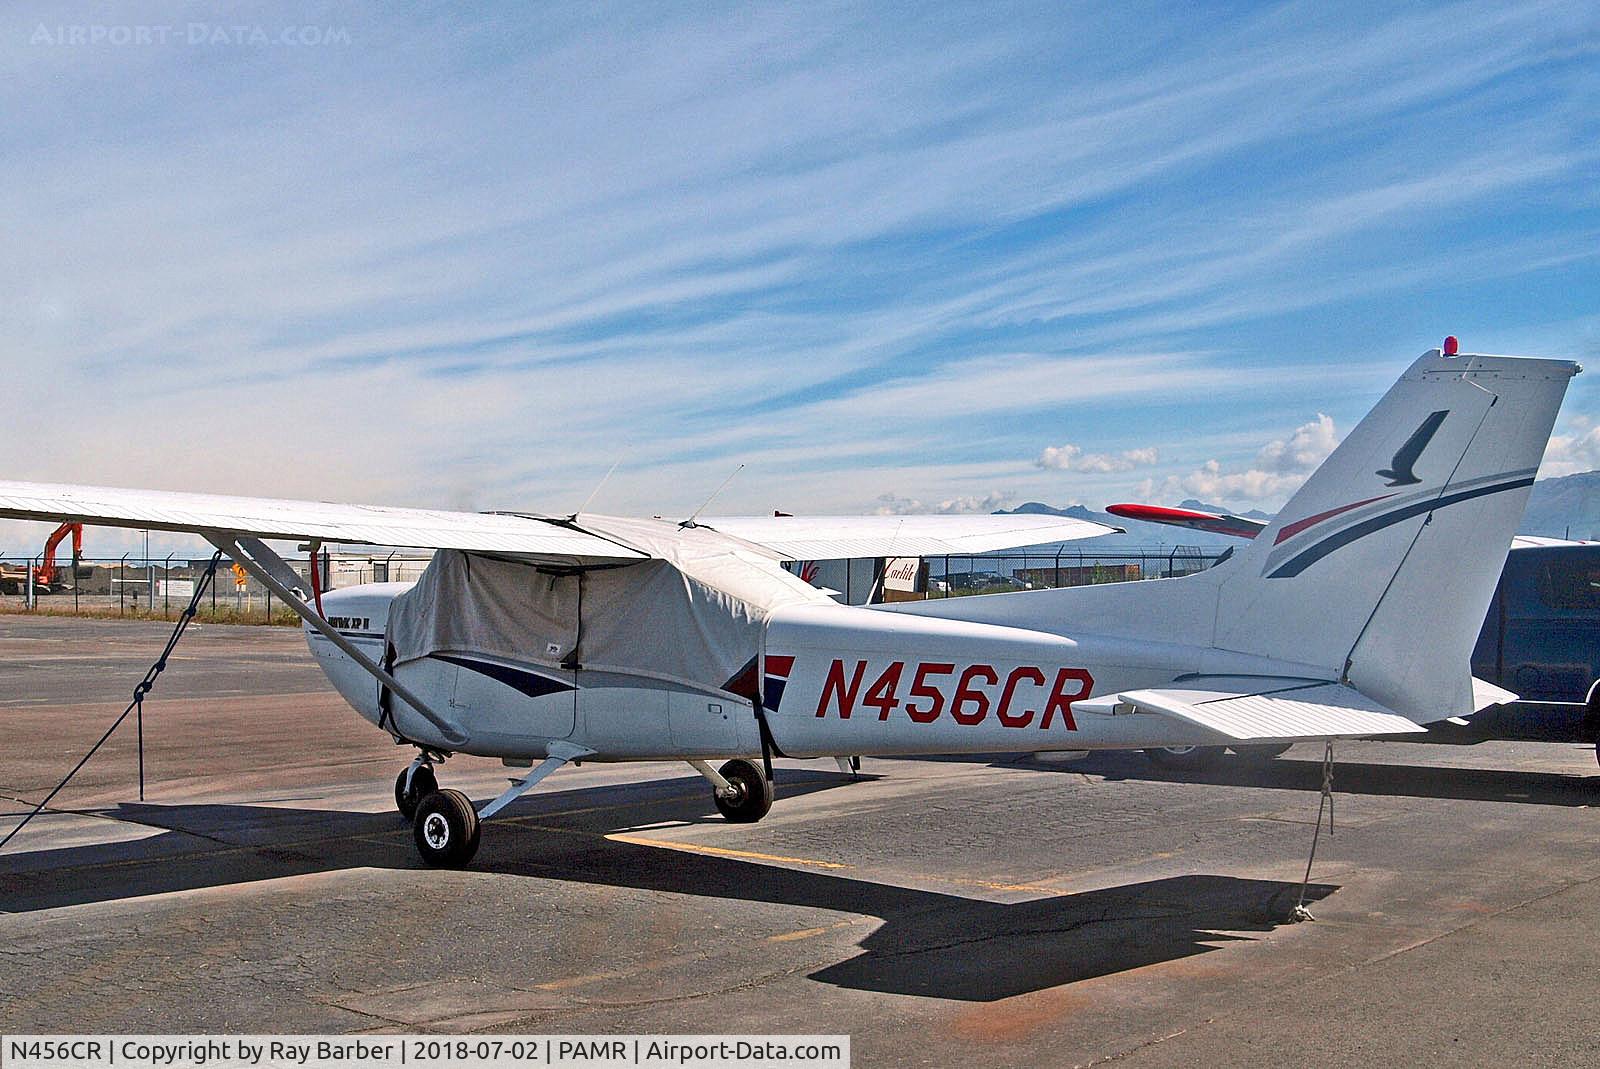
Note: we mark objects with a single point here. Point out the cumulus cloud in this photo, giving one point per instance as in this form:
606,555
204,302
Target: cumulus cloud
1578,450
894,505
1302,451
1280,467
1073,458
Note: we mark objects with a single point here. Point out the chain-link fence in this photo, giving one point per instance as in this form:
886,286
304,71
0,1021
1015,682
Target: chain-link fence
159,587
992,573
864,581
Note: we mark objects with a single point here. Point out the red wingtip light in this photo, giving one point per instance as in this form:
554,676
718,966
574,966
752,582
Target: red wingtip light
1451,346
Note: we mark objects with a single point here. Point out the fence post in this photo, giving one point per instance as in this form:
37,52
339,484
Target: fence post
166,590
122,575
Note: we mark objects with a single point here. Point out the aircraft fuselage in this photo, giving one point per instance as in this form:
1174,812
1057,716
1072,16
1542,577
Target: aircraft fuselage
833,679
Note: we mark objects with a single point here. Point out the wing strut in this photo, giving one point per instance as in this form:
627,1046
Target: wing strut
257,558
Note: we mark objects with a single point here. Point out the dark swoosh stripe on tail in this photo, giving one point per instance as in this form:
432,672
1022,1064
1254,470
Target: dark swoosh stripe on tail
1303,560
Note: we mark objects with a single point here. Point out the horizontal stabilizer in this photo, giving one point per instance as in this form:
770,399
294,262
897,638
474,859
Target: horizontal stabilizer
1278,709
1485,694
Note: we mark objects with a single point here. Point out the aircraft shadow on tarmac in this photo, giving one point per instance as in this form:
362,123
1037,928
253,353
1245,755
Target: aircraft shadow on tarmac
1349,777
930,943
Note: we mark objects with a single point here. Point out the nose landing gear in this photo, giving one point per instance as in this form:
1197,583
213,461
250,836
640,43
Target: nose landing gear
446,829
415,782
444,824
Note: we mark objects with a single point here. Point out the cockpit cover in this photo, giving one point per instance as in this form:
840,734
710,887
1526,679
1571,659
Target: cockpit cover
693,613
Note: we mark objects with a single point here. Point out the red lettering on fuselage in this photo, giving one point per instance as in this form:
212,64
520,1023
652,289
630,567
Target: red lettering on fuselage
836,689
967,694
968,698
1004,713
921,689
1061,702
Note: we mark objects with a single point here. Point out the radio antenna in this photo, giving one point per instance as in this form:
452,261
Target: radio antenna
596,490
695,515
881,583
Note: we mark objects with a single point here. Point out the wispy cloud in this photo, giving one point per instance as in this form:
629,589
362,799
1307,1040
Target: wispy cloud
471,258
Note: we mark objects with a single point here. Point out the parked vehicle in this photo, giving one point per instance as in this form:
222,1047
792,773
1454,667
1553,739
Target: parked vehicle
47,578
1541,640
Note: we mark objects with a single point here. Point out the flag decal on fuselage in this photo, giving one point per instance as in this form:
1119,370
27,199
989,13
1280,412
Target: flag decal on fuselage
777,677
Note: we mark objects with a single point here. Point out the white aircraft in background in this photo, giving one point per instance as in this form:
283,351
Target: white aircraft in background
544,640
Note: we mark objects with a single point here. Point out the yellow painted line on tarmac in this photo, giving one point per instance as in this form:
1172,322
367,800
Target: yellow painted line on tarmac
580,981
723,851
991,885
803,933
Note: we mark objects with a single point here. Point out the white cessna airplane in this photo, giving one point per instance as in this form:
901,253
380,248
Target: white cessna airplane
544,640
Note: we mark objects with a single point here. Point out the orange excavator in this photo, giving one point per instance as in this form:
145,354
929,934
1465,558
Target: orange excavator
47,578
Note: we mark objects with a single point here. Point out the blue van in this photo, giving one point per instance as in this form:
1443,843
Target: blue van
1541,640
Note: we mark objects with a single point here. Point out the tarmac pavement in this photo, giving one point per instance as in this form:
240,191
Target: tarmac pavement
984,911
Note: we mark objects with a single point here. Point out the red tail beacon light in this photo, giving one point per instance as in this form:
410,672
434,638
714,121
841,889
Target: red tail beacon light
1451,346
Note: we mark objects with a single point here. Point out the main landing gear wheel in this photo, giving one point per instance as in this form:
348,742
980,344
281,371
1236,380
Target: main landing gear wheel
750,792
446,829
423,783
1185,758
1262,751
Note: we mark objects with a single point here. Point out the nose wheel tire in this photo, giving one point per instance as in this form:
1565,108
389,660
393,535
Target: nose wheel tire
750,794
407,799
446,829
1188,758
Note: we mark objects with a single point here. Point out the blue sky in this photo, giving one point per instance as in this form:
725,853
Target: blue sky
887,257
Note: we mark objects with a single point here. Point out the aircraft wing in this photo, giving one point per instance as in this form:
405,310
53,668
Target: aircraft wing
260,517
1256,708
1213,522
839,537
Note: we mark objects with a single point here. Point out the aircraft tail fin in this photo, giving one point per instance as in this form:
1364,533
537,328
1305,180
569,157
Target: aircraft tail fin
1382,565
1377,573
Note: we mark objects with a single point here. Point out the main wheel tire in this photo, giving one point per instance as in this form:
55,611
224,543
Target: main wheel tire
446,829
1264,751
751,797
423,784
1185,758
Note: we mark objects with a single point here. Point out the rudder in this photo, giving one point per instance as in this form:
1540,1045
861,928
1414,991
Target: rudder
1381,567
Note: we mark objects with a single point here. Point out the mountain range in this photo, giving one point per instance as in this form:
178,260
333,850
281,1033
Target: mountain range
1566,507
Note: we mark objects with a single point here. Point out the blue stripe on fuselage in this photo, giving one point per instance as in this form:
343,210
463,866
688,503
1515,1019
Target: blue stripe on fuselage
532,684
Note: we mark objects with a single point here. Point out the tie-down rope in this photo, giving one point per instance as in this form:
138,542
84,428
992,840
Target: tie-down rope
1301,913
137,705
